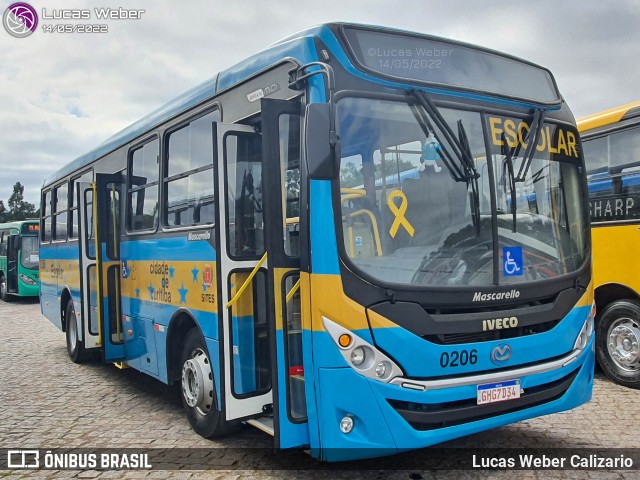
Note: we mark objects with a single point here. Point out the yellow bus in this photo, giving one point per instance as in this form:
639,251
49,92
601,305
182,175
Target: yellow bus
611,144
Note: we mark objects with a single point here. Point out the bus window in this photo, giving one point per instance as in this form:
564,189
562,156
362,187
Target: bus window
249,335
30,257
624,149
189,181
596,155
290,174
46,214
143,187
73,208
113,221
244,196
292,330
60,212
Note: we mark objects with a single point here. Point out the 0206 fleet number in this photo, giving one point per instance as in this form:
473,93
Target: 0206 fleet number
457,358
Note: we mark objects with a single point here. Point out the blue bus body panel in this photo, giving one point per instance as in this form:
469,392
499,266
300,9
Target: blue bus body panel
380,430
173,271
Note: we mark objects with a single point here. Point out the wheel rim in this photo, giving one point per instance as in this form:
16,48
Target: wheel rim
3,288
73,333
623,340
197,382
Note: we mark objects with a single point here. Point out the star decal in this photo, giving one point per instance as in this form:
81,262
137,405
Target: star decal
183,294
204,287
195,273
172,271
137,293
151,290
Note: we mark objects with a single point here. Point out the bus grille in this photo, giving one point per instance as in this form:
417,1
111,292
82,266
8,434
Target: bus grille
473,337
423,416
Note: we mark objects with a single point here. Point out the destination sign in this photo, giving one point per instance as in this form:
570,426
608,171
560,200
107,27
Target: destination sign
28,228
436,61
615,208
513,133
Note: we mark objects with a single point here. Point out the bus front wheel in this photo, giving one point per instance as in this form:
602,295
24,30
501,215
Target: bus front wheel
75,346
3,290
618,342
198,389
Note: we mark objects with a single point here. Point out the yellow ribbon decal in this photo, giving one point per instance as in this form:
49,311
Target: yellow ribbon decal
399,213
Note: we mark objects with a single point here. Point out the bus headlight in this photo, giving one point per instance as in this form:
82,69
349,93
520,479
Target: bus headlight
585,332
381,369
363,357
358,356
27,280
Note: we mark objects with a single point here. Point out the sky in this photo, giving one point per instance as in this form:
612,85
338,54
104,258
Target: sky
62,94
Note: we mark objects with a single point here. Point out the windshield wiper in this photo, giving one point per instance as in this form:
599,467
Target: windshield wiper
423,120
464,157
536,128
461,149
527,158
508,158
475,192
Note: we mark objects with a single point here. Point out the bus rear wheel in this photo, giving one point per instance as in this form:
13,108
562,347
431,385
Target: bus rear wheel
75,346
3,290
198,391
618,342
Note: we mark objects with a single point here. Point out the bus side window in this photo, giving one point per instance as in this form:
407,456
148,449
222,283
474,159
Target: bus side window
46,215
189,178
60,212
73,208
290,173
143,187
244,195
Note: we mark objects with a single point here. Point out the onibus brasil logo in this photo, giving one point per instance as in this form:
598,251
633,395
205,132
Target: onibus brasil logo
20,20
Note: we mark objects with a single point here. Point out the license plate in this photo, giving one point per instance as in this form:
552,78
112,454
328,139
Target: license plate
498,392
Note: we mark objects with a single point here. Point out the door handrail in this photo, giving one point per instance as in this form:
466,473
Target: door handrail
293,291
247,281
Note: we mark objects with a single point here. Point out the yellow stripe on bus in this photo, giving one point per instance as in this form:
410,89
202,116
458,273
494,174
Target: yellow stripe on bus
606,117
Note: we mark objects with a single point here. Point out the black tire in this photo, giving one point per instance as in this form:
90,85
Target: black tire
204,417
75,346
616,353
4,296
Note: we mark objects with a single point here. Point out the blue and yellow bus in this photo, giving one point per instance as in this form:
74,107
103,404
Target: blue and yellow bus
611,142
19,244
359,240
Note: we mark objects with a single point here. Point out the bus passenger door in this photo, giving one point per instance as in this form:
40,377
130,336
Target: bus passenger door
246,362
282,211
88,268
108,214
13,247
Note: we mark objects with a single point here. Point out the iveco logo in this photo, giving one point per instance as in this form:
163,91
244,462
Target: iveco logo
499,323
501,353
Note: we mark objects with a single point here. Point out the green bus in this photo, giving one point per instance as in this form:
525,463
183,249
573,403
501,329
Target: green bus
19,259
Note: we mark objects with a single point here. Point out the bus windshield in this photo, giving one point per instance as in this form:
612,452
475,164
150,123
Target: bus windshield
415,212
29,252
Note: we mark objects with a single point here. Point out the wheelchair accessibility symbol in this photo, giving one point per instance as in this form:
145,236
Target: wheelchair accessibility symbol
512,261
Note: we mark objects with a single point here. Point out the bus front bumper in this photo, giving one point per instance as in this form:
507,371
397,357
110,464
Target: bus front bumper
391,418
28,290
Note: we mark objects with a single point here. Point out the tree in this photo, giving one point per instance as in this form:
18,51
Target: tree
18,208
3,212
350,176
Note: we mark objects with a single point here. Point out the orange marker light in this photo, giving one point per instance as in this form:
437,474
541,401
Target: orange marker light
344,340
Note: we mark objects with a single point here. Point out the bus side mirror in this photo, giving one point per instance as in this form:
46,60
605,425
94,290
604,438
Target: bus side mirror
320,155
